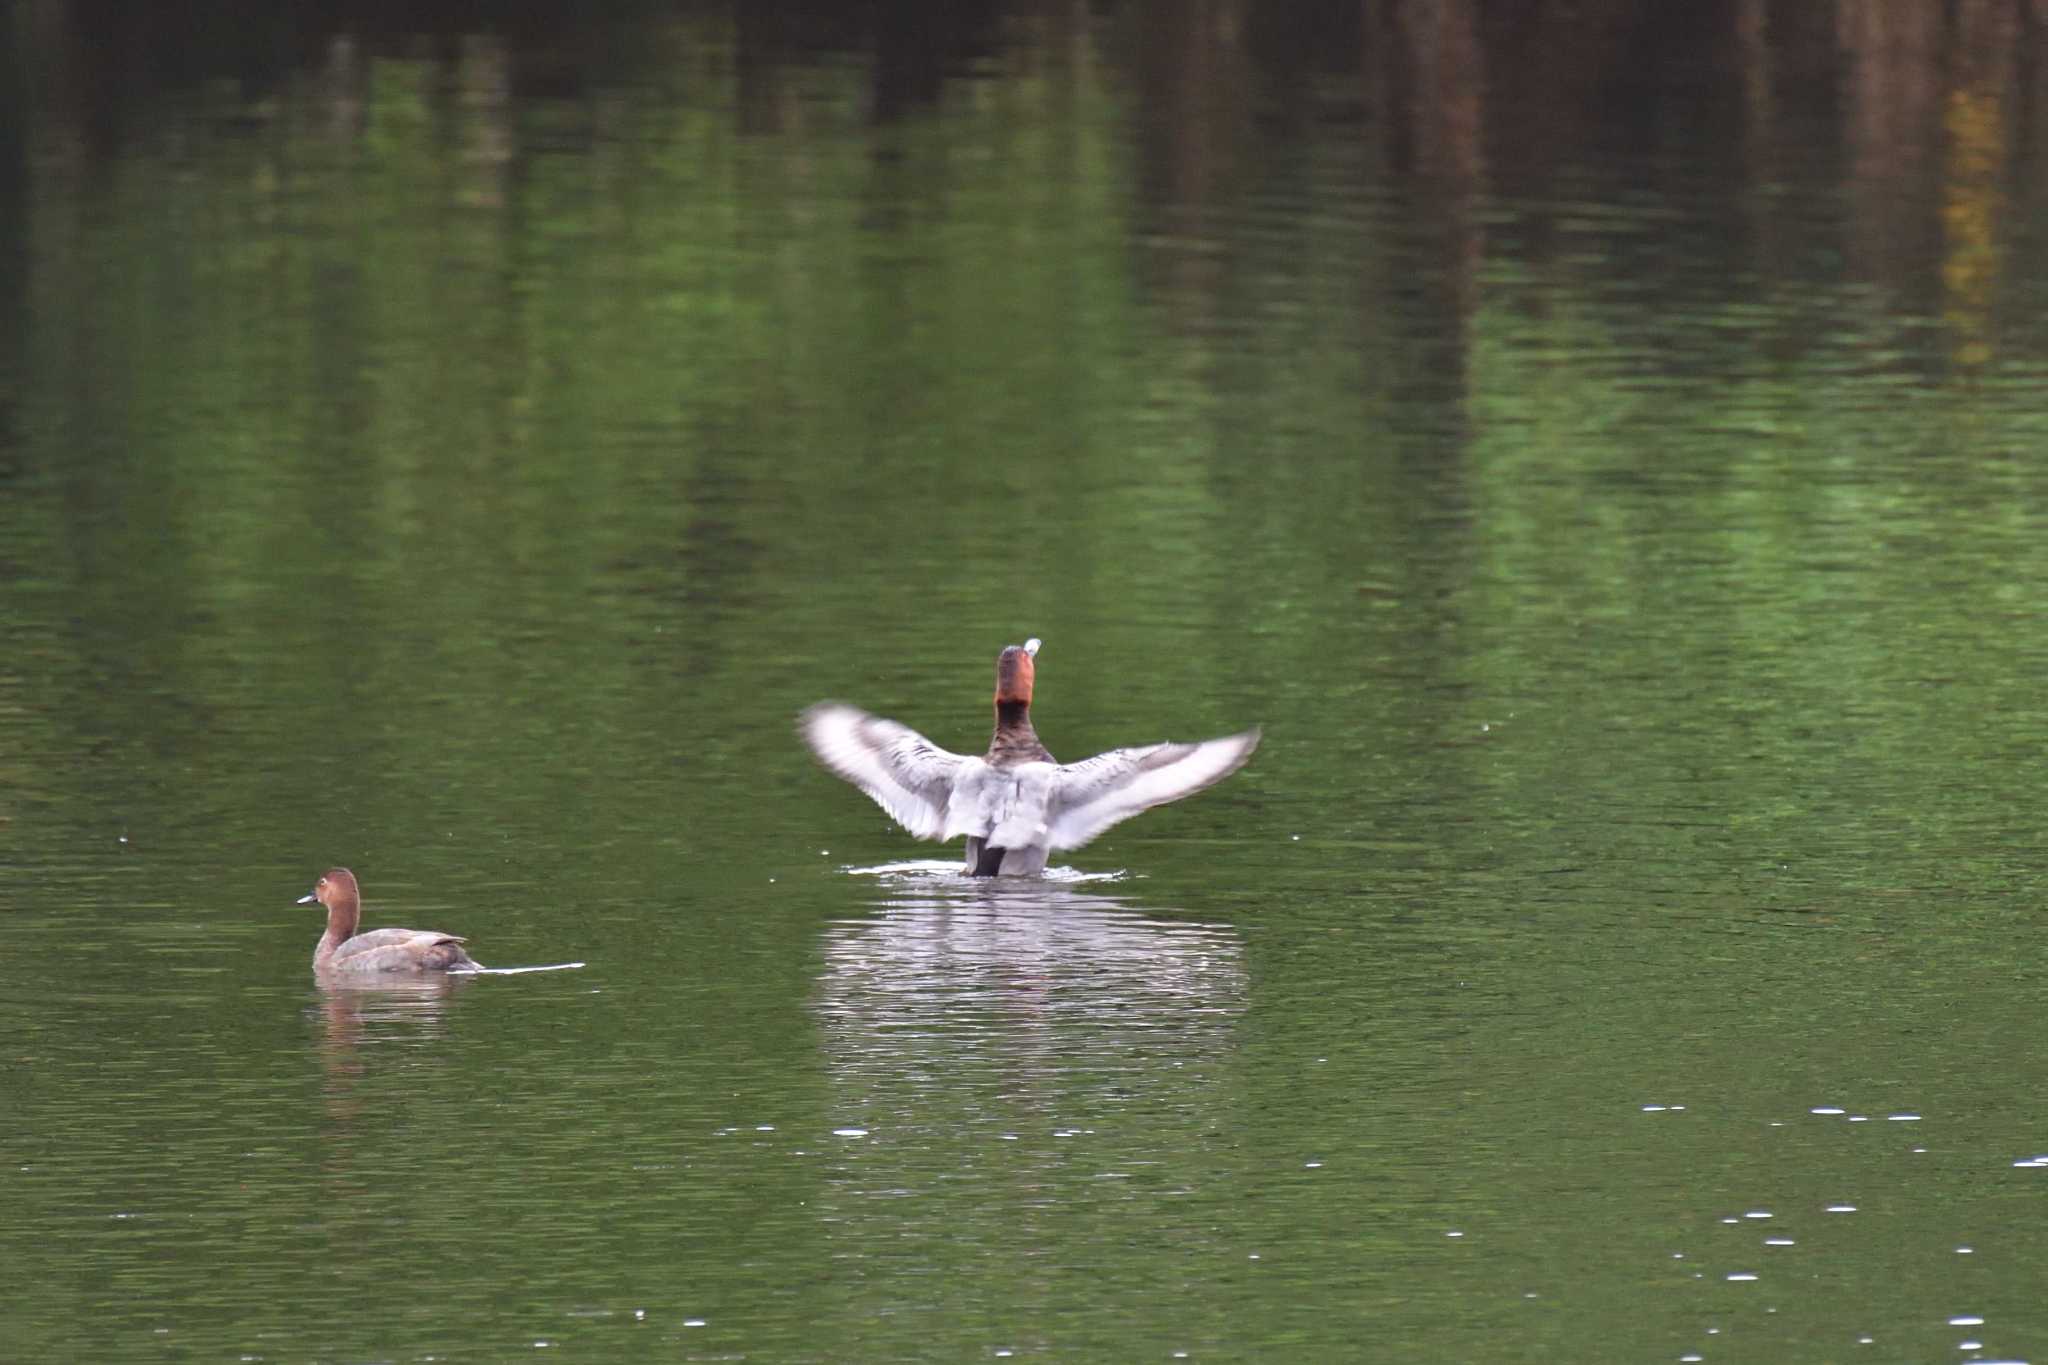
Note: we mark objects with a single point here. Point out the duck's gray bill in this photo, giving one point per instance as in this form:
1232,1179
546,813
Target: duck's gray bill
308,898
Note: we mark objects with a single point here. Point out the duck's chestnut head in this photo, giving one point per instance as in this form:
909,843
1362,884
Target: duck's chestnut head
1015,669
337,886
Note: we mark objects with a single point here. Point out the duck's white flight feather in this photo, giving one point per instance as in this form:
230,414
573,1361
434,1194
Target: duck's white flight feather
1090,796
908,776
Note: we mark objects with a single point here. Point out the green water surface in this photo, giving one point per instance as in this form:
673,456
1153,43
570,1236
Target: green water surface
459,456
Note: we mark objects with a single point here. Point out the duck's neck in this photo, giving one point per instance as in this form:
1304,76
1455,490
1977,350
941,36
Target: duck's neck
342,918
1014,740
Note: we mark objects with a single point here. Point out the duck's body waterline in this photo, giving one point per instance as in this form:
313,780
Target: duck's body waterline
1016,804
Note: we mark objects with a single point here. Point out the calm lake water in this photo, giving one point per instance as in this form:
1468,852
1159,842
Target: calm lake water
1605,451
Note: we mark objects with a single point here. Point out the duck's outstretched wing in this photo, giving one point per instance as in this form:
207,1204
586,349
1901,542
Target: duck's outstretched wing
1090,796
908,776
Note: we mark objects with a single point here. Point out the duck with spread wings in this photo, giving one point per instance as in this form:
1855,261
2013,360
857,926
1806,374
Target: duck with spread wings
1015,804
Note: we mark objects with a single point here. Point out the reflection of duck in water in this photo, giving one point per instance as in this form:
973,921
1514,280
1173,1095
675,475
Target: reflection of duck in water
954,1008
1016,803
380,1042
343,951
392,1006
933,942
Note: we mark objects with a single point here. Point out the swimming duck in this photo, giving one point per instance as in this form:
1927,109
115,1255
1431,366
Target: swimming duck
1016,803
381,950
